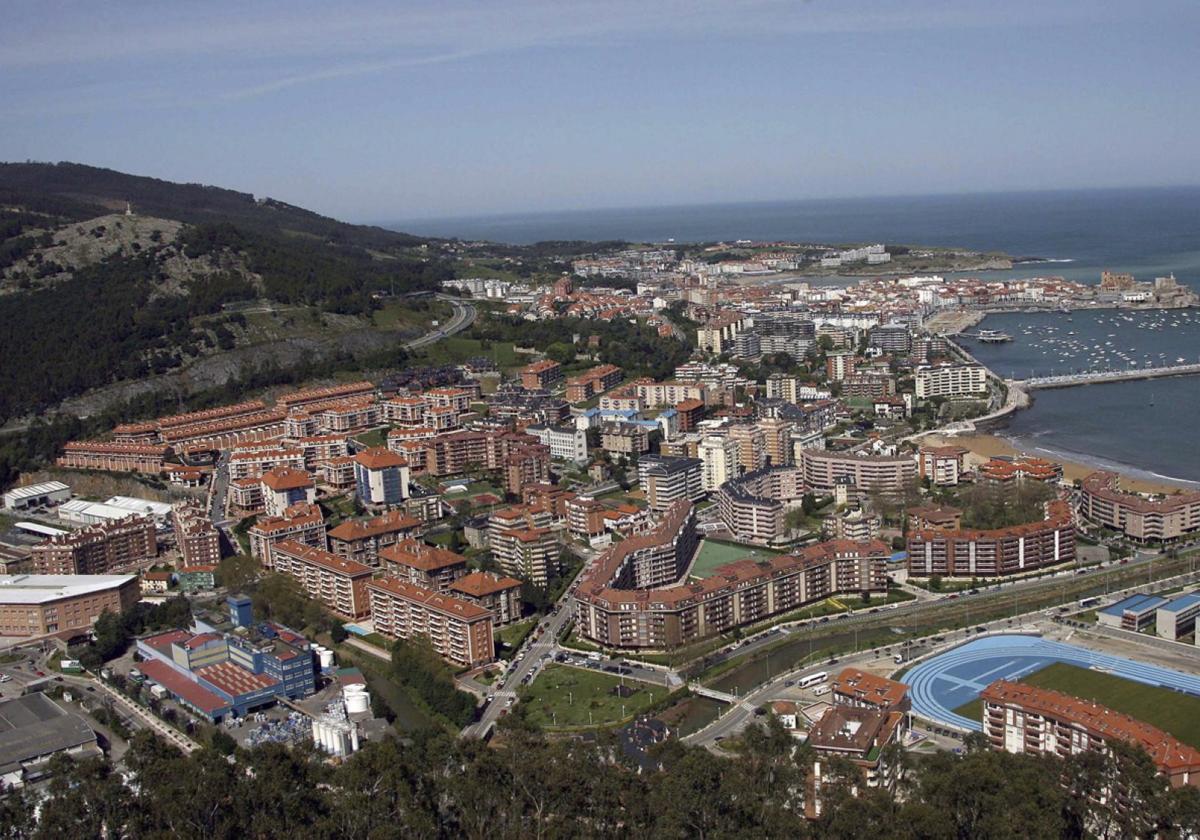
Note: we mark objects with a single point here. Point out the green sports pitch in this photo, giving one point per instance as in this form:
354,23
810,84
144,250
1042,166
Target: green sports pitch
714,553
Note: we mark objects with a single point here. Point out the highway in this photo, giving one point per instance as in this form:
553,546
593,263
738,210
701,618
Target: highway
464,316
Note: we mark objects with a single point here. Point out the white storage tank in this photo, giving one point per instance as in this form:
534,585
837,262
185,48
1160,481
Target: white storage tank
357,699
325,656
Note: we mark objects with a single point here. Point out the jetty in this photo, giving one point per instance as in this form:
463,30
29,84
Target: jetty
1068,380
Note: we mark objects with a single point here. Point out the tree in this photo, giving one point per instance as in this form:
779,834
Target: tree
237,572
561,352
338,633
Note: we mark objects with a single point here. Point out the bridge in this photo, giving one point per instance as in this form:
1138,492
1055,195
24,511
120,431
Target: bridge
712,693
1067,380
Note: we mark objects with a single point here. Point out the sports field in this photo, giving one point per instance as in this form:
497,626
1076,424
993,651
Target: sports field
714,553
946,687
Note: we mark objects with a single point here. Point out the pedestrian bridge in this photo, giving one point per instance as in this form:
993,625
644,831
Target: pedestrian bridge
1066,380
712,693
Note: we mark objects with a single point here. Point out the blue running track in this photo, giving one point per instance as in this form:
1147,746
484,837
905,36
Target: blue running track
945,682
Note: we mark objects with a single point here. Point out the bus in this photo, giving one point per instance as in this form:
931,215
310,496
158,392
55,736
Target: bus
812,679
1084,603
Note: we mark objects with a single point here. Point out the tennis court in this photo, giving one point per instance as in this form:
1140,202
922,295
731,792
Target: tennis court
947,681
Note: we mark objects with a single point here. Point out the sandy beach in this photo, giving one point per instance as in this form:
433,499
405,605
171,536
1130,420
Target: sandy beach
984,446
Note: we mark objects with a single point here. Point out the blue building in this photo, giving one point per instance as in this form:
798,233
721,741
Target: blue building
219,674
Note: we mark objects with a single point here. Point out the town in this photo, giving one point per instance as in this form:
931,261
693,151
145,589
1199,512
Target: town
738,520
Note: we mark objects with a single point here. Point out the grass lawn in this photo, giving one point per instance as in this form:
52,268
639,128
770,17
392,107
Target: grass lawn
1171,711
457,349
399,315
515,633
714,553
572,697
374,437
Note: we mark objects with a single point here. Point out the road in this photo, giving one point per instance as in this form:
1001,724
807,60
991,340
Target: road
843,621
464,316
742,713
530,658
537,651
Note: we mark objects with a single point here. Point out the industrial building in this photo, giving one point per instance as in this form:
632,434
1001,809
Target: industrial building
38,605
219,674
37,495
34,729
1177,617
1137,612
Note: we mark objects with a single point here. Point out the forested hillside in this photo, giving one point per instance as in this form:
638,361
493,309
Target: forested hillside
525,786
91,296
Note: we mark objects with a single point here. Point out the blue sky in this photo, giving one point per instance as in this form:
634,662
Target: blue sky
377,111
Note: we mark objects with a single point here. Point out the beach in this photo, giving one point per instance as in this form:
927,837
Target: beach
982,447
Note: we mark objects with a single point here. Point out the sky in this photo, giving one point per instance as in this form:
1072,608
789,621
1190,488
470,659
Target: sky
402,110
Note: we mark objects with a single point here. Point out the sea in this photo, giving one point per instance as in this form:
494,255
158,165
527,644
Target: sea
1147,428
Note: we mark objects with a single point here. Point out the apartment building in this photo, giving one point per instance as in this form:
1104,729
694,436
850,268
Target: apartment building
753,507
114,457
283,487
626,440
530,554
752,446
309,396
1020,718
840,365
196,537
253,461
1007,471
380,477
998,552
942,466
541,376
665,481
1103,502
593,382
361,540
116,546
860,736
302,523
460,631
421,564
498,594
719,456
950,381
338,584
868,473
613,610
670,393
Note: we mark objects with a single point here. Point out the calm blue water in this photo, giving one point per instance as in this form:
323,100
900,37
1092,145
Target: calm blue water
1141,426
1145,231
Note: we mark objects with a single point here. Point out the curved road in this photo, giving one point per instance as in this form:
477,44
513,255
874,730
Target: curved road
464,316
